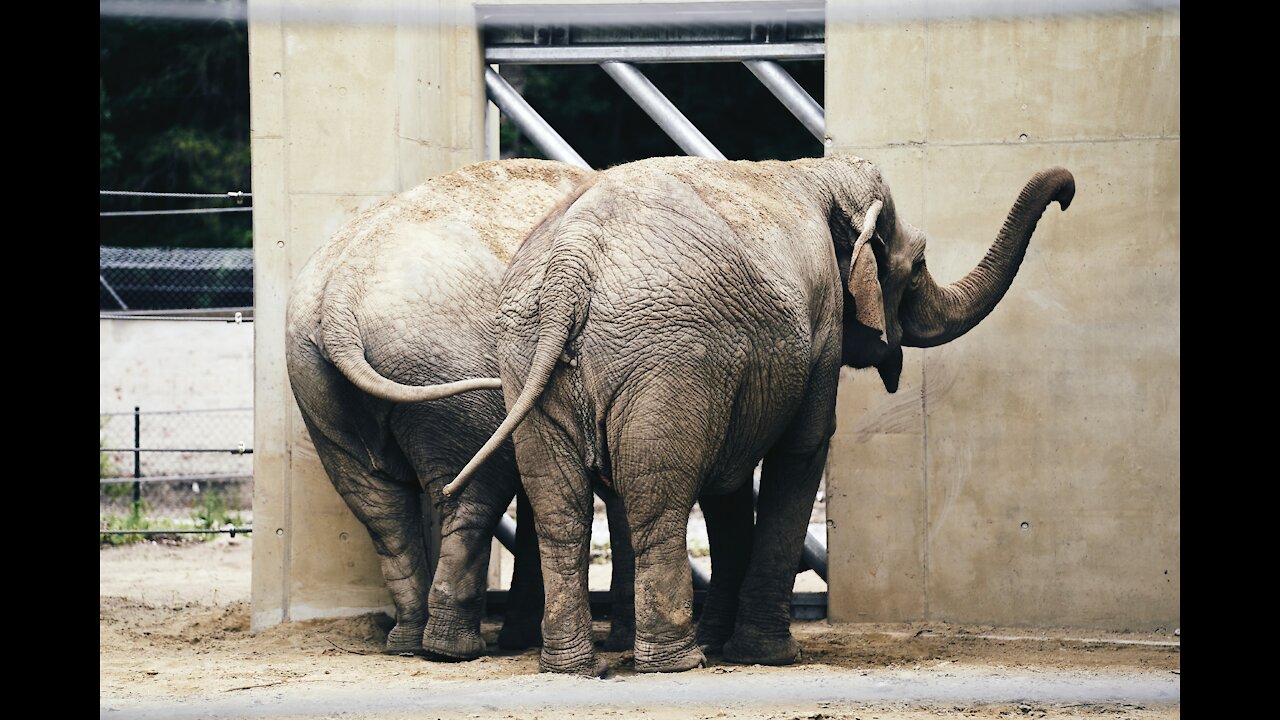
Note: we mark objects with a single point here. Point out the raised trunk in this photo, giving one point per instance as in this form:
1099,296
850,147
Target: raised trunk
933,315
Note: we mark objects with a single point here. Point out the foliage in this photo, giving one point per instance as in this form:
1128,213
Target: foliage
212,513
106,467
173,117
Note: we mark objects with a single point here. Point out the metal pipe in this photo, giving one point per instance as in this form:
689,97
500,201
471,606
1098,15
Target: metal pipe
178,412
174,478
815,554
565,55
701,578
657,106
529,121
506,533
136,450
137,459
795,98
111,290
233,531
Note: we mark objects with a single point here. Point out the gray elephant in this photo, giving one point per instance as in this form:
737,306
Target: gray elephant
683,319
403,296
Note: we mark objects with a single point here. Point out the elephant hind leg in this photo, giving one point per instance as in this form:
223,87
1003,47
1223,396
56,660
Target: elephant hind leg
391,511
522,624
622,597
559,489
730,524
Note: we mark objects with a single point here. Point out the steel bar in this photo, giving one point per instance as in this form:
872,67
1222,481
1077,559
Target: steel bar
657,106
174,532
643,53
233,451
795,98
506,534
111,290
529,121
178,412
114,316
174,478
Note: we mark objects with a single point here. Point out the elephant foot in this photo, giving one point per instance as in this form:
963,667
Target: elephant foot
622,633
753,649
652,658
404,640
451,644
712,636
590,666
520,634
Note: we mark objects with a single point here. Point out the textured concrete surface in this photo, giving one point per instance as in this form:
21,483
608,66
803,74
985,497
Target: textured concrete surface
1028,472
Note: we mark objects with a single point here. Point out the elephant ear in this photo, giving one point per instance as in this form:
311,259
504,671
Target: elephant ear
864,277
868,302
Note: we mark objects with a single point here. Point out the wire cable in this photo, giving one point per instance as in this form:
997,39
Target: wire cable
233,195
191,211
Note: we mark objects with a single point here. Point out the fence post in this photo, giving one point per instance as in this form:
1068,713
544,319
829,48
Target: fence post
137,460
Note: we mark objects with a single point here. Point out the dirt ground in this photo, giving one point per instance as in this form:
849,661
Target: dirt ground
175,643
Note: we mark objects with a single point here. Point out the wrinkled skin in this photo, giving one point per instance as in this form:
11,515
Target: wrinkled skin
404,295
681,320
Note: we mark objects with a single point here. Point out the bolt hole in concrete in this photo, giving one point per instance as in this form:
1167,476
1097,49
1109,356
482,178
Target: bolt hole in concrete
1026,525
1022,137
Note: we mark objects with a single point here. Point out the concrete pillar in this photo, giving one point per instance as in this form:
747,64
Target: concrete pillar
342,115
1027,473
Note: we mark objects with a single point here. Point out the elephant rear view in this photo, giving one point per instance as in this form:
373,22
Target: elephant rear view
680,321
387,322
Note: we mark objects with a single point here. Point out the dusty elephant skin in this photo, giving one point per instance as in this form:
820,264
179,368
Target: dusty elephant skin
684,318
404,296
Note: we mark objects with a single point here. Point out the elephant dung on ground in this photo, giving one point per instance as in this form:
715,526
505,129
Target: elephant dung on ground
684,318
400,297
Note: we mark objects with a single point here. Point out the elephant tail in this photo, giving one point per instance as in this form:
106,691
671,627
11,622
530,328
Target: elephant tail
345,349
562,307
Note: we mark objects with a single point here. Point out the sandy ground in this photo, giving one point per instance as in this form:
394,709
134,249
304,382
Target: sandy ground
175,643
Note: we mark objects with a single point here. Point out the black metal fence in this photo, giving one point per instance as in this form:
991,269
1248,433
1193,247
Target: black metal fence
191,468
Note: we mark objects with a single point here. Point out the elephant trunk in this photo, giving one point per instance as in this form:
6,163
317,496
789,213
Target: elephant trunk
932,314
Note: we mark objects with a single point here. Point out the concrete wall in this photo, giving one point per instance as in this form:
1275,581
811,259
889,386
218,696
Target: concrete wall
174,365
342,115
1027,473
165,365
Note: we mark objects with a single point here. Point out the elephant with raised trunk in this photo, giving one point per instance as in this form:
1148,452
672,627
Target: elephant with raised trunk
403,296
681,320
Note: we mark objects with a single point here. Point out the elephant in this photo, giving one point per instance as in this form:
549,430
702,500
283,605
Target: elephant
682,319
402,296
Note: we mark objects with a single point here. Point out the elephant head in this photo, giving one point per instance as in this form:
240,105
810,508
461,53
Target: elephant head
891,300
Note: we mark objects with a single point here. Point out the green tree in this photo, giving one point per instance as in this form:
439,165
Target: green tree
173,117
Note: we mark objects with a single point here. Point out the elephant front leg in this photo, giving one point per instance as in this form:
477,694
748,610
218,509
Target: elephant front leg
729,528
788,487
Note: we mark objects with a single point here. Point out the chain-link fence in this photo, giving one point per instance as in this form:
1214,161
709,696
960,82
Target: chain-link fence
192,468
174,278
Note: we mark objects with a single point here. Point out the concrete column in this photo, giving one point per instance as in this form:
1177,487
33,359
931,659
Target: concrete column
1027,473
342,115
